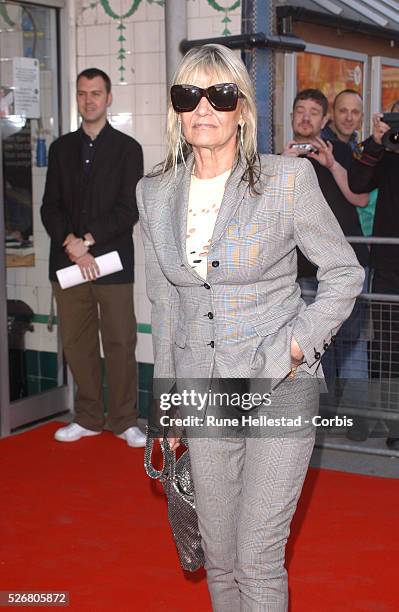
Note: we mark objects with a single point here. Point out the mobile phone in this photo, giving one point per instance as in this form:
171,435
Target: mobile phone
306,147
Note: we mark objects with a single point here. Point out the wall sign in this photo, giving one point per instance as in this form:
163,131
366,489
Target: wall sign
26,83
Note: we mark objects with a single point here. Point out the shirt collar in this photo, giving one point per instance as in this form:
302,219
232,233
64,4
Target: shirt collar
87,138
328,132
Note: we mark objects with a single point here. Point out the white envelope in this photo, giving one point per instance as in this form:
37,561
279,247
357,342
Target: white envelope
71,276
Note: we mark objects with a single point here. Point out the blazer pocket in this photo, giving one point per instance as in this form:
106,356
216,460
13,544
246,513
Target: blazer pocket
180,338
274,324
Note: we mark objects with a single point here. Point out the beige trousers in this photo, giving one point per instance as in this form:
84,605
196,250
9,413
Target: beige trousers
83,311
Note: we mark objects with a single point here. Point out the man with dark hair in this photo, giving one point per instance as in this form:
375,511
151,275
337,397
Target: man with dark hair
348,356
314,95
92,73
375,167
347,118
89,209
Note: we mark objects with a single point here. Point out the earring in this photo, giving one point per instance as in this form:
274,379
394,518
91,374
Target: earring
242,124
179,147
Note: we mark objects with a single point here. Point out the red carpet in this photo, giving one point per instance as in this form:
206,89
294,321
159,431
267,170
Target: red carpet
84,518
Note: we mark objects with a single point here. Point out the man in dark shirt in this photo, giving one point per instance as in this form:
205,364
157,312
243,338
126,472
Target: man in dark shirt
89,209
348,358
345,125
347,117
374,167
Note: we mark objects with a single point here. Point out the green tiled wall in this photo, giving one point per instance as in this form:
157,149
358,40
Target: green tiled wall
146,371
41,369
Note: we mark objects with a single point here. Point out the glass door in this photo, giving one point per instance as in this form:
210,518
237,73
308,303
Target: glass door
33,375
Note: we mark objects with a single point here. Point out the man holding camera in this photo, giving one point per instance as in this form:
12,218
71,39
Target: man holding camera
347,358
377,165
330,161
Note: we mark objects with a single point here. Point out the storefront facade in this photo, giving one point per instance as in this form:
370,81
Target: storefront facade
344,49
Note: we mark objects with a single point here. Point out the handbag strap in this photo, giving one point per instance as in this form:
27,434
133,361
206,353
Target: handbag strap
168,459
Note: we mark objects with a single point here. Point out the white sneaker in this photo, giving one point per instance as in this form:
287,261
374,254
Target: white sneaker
73,432
134,437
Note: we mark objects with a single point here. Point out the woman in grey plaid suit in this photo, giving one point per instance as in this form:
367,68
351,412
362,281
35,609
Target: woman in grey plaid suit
220,225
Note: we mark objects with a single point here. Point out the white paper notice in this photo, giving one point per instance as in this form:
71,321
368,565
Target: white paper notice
71,276
26,87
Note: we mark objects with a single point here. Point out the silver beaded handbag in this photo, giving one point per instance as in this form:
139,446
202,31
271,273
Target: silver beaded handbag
176,479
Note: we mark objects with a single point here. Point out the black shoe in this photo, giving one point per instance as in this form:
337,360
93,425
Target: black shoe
392,443
359,431
356,434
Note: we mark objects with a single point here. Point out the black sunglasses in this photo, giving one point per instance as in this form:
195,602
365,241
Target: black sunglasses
223,97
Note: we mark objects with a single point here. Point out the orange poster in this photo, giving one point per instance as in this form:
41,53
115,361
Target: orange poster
329,74
389,87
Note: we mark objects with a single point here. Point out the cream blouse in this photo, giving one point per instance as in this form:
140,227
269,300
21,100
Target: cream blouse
203,207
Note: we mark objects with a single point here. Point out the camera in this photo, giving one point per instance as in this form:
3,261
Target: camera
390,140
306,147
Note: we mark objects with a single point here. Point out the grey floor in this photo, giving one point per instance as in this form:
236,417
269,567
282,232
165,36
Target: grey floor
334,451
359,459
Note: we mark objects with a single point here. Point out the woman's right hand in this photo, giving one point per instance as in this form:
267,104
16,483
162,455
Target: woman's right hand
174,443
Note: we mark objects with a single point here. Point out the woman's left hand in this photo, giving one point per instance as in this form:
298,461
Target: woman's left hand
296,354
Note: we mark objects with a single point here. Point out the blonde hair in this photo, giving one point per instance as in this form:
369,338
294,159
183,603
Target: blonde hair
223,64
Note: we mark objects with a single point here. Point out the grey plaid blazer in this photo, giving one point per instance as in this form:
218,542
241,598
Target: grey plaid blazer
241,319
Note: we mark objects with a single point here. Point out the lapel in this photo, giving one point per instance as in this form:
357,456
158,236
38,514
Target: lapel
178,198
74,163
104,152
234,194
236,190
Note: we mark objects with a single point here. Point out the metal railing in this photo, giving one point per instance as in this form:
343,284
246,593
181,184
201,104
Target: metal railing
362,368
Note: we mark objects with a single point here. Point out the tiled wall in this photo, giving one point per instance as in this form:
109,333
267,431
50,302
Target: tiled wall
41,369
138,109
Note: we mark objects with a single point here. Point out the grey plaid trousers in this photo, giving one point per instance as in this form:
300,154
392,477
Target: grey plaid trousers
246,491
